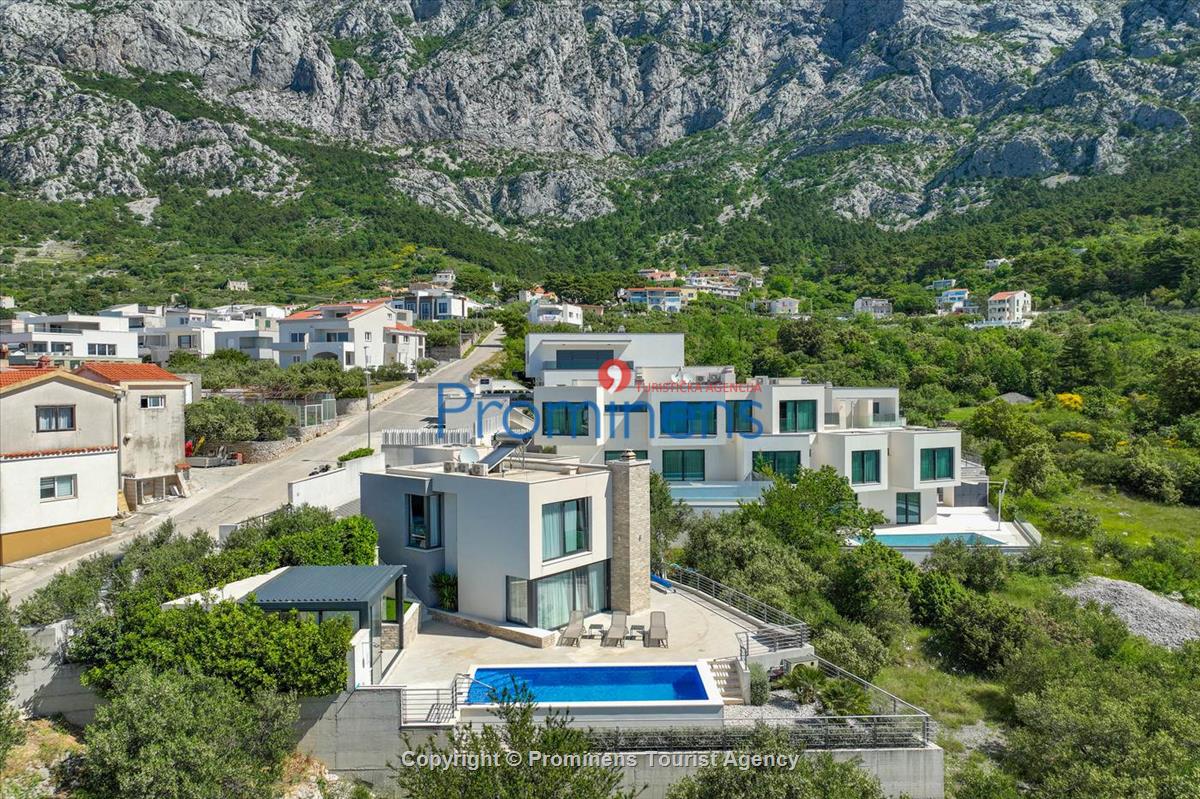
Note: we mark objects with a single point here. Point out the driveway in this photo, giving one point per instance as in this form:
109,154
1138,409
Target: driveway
233,493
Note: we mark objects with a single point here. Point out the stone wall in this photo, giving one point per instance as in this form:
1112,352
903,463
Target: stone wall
528,636
630,565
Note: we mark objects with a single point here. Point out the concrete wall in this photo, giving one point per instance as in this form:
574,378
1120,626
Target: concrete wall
95,417
152,438
333,489
50,687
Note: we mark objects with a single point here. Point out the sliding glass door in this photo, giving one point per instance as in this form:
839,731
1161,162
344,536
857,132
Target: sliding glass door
585,588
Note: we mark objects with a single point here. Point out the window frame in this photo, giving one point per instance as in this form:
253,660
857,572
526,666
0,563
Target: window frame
906,517
770,457
794,406
37,415
583,511
733,415
611,455
858,464
576,424
700,418
683,475
935,473
55,478
434,532
146,406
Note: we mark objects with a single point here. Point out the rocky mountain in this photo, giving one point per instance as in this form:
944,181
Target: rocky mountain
509,112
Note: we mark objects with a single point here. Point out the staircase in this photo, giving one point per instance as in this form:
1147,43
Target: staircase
725,672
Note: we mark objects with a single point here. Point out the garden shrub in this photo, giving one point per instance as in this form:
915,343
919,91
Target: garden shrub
354,454
271,421
842,697
1055,560
805,682
981,633
978,567
1072,522
935,598
855,648
760,685
445,585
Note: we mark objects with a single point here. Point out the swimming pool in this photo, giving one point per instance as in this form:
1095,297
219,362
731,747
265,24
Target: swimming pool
667,683
929,539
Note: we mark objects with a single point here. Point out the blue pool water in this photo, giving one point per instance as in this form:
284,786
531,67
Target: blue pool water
594,683
929,539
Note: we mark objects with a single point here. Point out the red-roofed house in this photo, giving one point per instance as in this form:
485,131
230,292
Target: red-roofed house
58,460
1010,307
406,345
350,333
151,426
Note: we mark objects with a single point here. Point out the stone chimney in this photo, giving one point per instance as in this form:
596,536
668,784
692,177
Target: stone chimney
3,356
43,362
629,572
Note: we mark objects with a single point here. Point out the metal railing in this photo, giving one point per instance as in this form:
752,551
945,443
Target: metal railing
427,437
427,706
757,609
771,639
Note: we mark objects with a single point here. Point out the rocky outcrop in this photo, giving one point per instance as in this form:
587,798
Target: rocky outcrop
930,97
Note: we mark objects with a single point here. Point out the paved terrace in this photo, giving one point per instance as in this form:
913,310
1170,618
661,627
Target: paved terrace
697,631
979,520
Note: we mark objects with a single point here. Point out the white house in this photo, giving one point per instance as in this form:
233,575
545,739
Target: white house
444,277
351,333
543,311
879,308
151,407
435,304
58,460
405,345
69,339
1010,307
162,330
784,306
713,437
530,538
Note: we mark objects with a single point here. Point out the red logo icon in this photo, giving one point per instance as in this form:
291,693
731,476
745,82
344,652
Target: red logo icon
615,375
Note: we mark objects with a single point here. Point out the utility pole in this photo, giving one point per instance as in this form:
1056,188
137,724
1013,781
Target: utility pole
367,376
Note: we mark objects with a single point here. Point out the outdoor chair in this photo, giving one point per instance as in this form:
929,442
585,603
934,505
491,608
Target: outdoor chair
574,630
616,631
657,634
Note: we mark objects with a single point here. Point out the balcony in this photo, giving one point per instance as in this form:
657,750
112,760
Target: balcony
887,420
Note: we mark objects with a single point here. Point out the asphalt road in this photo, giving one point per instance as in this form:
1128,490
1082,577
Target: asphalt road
241,492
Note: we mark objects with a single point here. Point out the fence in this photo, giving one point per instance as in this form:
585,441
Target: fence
736,599
427,437
435,706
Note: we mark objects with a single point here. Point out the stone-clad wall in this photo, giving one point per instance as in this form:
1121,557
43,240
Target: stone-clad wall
629,574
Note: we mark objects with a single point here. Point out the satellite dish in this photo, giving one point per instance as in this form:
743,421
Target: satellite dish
468,455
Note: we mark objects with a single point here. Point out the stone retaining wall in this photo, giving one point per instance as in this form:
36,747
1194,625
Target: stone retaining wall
528,636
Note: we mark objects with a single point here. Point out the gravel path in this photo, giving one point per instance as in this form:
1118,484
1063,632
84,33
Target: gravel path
780,708
1163,621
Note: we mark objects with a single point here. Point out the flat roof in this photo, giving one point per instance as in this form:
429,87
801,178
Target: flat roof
332,584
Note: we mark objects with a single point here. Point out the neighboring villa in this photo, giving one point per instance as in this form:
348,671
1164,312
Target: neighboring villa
351,333
162,330
549,310
942,284
1008,309
237,285
787,307
69,339
996,263
655,298
955,301
58,460
435,304
658,275
530,538
702,431
444,277
879,308
152,402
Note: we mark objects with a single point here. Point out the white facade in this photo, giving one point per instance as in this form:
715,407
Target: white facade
1010,307
435,304
58,461
550,312
879,308
350,333
70,338
784,306
526,537
162,330
406,345
688,422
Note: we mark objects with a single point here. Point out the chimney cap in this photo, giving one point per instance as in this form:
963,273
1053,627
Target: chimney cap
43,362
628,455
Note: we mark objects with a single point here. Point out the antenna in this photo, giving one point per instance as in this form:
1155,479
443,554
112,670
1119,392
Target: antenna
468,455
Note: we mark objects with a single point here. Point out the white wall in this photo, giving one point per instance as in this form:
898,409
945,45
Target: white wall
96,491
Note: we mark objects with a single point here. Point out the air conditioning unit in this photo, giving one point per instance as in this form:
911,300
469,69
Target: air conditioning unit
448,466
479,469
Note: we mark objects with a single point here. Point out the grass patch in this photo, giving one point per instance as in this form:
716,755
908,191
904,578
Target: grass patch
385,385
1135,520
1028,591
954,700
960,415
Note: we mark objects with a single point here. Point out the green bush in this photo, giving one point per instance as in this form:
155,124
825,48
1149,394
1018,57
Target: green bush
354,454
1072,522
219,420
978,567
445,585
271,421
805,682
981,633
15,652
68,593
871,585
1055,560
842,697
167,734
936,597
760,685
855,648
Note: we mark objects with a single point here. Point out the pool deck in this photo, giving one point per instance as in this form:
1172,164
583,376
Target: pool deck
979,520
698,631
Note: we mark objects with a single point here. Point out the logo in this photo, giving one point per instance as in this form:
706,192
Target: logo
614,375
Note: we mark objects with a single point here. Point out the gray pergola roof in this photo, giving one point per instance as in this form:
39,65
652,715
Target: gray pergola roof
327,585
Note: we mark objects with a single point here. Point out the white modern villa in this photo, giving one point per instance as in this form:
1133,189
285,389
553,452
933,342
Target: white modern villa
714,438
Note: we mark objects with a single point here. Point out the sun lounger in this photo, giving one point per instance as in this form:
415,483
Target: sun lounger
573,631
615,635
657,634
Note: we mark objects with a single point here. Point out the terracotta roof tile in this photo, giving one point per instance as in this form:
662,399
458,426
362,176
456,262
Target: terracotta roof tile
47,453
19,374
113,372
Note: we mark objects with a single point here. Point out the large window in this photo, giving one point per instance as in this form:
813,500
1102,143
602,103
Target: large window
937,463
425,521
739,416
517,603
564,528
688,418
864,466
782,463
53,418
797,416
581,359
565,419
102,349
683,464
60,487
908,508
585,589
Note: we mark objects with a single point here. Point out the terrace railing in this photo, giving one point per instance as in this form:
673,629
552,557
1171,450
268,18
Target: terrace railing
771,639
768,615
427,437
